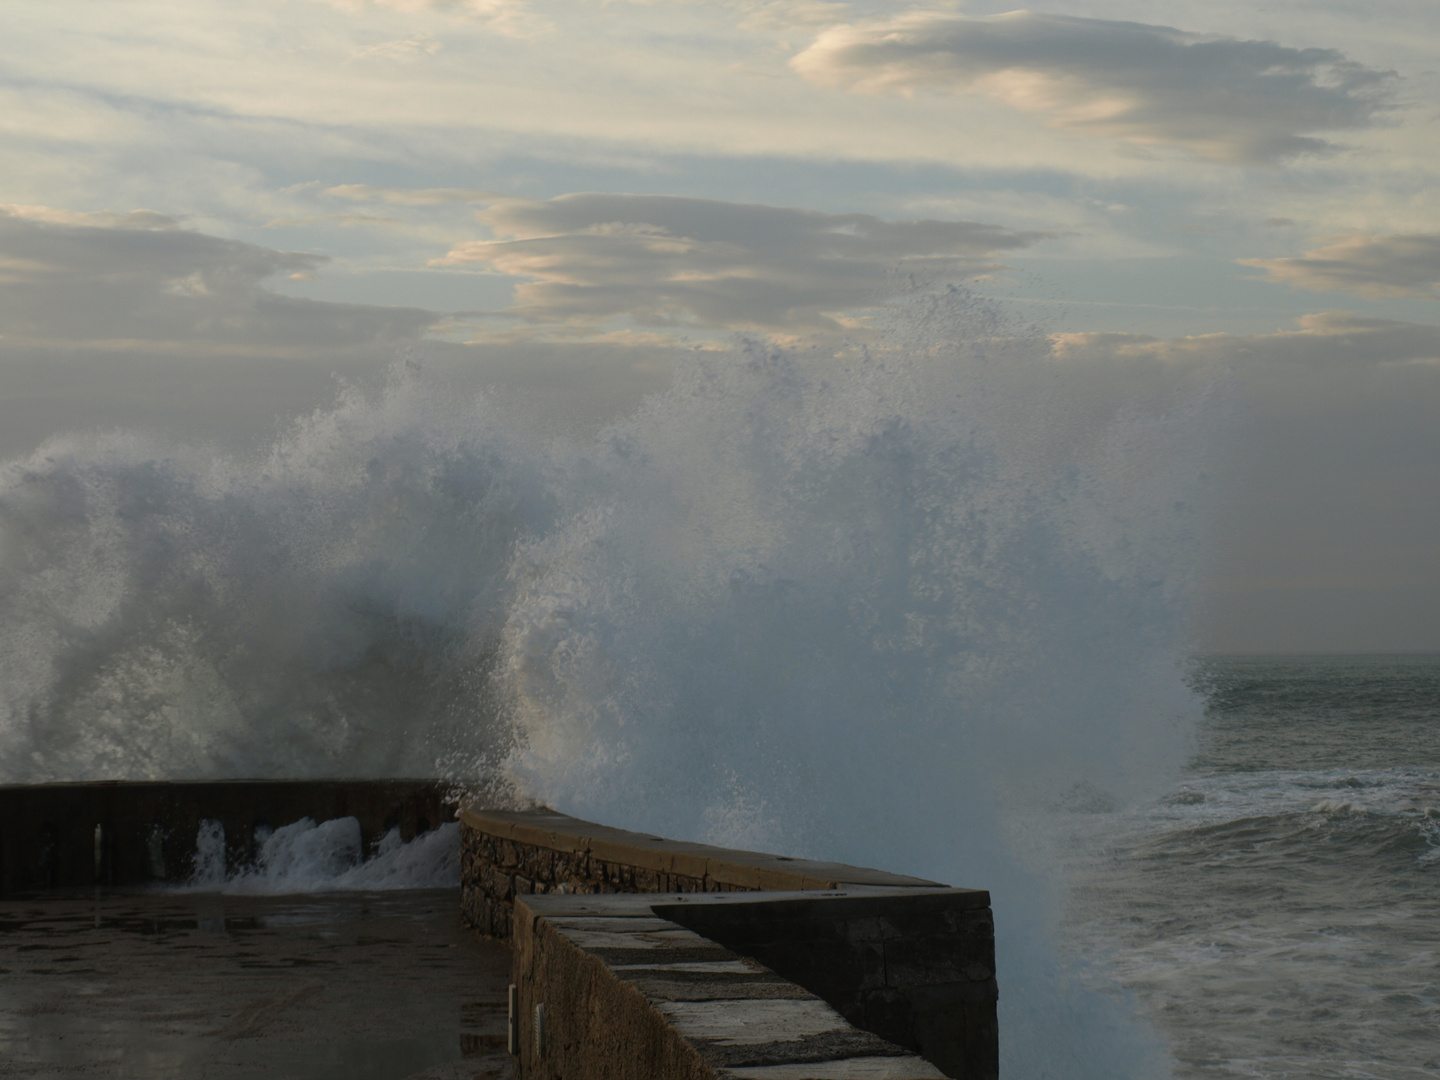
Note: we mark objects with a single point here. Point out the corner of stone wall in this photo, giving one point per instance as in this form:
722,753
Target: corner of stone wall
495,870
919,973
597,1026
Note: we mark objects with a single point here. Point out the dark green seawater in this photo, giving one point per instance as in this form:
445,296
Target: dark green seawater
1277,914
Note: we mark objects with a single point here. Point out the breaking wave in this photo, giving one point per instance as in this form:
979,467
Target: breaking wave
304,857
885,606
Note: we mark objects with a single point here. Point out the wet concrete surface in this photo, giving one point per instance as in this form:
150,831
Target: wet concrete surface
359,986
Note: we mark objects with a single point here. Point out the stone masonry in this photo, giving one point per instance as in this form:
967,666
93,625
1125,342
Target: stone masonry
495,870
908,960
627,995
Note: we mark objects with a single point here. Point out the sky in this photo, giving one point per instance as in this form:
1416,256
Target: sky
209,210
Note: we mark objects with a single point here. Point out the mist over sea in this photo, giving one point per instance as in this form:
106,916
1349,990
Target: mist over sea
923,604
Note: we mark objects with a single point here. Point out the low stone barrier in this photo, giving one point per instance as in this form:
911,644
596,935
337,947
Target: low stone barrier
605,988
509,853
653,957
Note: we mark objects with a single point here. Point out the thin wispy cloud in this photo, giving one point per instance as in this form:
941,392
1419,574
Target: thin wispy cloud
412,196
784,15
1375,267
54,215
354,221
402,49
1224,99
678,262
139,285
511,18
1323,339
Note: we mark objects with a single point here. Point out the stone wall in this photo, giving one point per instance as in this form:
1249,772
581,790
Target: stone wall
908,960
509,853
597,1025
627,995
496,869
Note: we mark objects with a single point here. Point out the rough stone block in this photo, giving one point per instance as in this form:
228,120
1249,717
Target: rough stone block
496,883
501,921
507,854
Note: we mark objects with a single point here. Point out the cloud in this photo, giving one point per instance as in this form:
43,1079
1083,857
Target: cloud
1375,267
664,260
51,215
783,15
511,18
1228,100
412,196
348,221
404,49
145,283
1327,338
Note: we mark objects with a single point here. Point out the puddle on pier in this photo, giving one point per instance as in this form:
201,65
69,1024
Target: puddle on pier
351,986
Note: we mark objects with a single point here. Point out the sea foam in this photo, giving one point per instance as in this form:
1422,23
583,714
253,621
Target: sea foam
306,857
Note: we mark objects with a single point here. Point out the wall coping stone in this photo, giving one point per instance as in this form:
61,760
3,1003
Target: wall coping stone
851,901
726,866
737,1017
902,967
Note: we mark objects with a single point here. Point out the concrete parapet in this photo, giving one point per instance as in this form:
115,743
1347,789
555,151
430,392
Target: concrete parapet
900,962
130,833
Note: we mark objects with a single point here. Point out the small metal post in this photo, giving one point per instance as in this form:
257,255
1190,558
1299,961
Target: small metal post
99,852
512,1021
539,1032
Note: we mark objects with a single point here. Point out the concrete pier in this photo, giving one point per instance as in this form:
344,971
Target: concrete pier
632,955
156,985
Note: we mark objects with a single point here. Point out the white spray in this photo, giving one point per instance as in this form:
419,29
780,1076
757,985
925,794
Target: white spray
900,609
898,606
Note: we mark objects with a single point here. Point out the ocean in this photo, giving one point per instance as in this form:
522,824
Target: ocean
1276,914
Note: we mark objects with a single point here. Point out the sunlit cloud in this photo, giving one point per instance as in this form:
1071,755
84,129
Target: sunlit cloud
349,221
1325,338
675,262
783,15
412,196
511,18
1224,99
109,219
1375,267
411,48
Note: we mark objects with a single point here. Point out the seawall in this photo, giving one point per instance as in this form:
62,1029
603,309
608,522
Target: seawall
639,956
